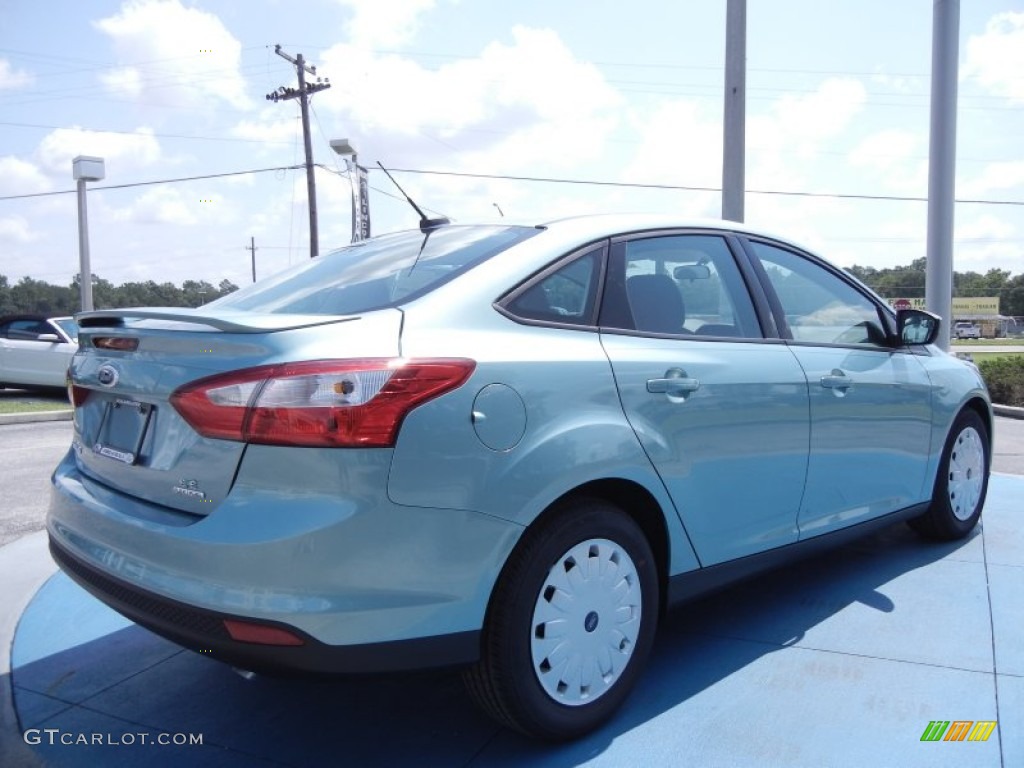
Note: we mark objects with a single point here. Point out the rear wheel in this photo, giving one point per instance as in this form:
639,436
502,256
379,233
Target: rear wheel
961,483
570,624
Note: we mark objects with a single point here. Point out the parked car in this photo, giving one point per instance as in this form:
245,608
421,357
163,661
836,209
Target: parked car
503,447
35,350
965,330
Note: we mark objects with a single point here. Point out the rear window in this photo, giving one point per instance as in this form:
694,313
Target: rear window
382,272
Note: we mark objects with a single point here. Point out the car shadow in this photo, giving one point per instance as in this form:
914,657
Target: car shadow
57,395
132,682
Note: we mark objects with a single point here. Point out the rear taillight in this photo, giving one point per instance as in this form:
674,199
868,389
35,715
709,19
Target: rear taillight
76,394
354,403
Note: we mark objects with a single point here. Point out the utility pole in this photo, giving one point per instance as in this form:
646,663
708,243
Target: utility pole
252,247
302,93
734,134
938,280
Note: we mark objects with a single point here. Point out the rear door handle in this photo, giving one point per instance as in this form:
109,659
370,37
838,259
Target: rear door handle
676,382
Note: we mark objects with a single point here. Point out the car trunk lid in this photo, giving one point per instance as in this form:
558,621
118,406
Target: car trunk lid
131,438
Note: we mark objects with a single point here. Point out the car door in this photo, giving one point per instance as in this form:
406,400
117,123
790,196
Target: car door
870,399
31,355
720,410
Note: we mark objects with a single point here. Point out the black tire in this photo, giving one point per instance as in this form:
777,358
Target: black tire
506,682
961,482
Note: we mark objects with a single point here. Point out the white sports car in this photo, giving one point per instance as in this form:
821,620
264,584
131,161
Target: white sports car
35,350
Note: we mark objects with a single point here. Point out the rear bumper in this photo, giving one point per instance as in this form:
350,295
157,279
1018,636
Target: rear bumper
204,631
368,585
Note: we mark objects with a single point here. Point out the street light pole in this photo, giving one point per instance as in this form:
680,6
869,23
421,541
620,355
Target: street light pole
360,218
85,169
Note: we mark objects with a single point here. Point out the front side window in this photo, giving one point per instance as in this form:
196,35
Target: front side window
27,330
685,285
381,272
819,306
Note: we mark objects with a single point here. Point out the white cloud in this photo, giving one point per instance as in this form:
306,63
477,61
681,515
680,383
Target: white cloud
383,23
11,79
274,126
996,58
526,104
124,80
178,55
994,177
120,151
19,177
161,205
985,241
783,144
16,229
677,144
892,163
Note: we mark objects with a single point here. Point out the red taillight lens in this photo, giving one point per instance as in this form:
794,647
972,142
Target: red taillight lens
354,403
76,394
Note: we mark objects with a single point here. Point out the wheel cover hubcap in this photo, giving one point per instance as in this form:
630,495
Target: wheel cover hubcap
585,622
966,473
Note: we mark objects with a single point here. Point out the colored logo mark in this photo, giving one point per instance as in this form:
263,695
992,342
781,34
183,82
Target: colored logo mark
958,730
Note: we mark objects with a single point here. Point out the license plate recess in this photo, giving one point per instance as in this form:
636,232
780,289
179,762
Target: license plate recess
122,430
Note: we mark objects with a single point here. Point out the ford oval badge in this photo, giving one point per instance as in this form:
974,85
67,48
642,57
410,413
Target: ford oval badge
107,375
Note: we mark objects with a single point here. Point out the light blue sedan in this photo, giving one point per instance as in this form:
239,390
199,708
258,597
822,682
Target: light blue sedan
503,447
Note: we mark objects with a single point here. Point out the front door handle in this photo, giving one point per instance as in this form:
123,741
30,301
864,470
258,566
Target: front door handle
836,380
676,383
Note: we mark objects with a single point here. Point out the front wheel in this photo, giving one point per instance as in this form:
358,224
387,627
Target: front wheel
570,624
961,483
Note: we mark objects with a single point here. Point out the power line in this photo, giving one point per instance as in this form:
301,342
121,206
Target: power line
156,181
539,179
637,185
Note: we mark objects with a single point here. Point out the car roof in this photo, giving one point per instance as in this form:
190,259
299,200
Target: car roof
610,224
28,316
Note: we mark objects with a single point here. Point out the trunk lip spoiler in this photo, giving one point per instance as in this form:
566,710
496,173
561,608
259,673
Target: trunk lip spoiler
241,322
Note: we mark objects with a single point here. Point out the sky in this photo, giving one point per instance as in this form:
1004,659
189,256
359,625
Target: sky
574,90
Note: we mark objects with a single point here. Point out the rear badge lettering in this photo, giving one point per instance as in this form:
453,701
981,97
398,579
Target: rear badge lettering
112,453
189,489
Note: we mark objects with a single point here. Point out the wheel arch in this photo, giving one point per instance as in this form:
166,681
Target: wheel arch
640,505
981,407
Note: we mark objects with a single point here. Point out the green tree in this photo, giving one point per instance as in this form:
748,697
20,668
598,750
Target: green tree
1011,297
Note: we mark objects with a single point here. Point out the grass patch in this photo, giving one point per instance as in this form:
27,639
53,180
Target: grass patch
32,406
1012,342
979,356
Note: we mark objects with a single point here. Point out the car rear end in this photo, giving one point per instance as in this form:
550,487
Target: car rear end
227,481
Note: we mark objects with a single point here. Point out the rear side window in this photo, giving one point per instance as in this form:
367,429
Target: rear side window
567,295
382,272
685,285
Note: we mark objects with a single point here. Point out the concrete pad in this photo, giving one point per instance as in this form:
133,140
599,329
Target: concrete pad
70,646
881,603
1007,586
720,702
1003,517
842,660
1011,717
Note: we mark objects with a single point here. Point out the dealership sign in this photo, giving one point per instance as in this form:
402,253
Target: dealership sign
969,306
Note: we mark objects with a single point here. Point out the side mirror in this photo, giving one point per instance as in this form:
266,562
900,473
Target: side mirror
53,338
915,327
